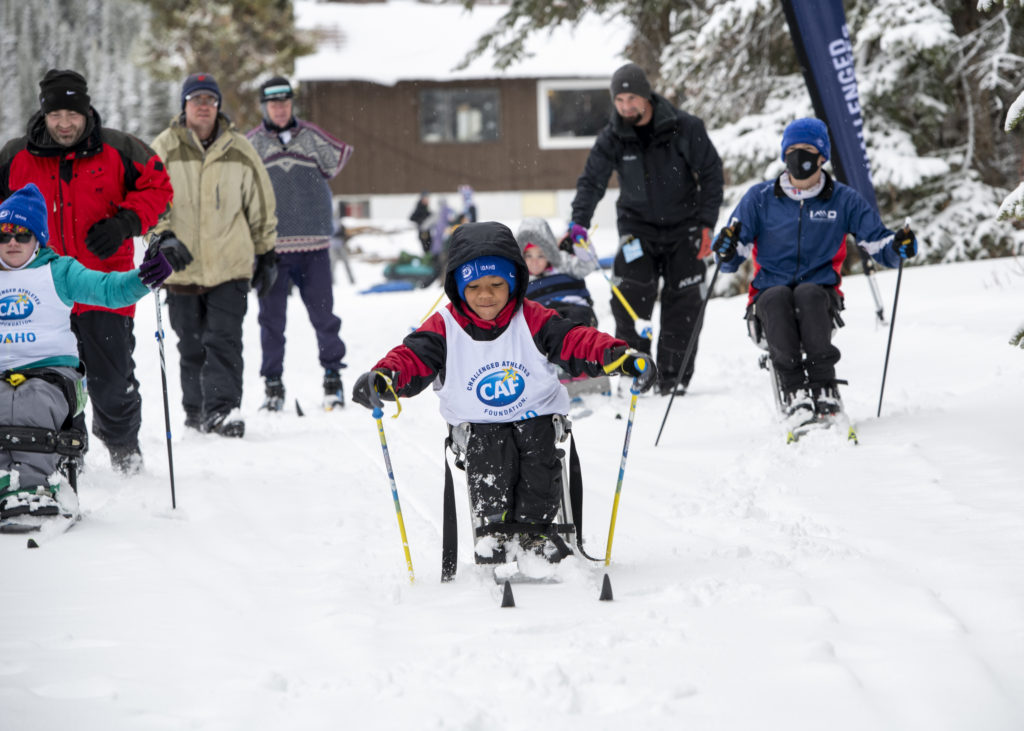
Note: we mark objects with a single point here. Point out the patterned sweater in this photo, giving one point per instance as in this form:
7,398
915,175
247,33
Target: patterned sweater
300,159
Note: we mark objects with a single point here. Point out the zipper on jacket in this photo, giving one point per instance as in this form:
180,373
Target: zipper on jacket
66,164
799,239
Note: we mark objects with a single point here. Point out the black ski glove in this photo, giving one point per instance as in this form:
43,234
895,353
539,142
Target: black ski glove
108,235
636,364
727,241
370,386
171,247
904,243
265,274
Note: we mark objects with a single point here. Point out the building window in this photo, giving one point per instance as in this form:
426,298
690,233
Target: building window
571,112
459,115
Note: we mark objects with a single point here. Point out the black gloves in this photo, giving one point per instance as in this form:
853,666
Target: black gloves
726,242
168,244
108,235
265,275
904,243
634,363
370,386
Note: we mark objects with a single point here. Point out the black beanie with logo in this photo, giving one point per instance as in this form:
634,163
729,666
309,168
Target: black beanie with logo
64,89
630,79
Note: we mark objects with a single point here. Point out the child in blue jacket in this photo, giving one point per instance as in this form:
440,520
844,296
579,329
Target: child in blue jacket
794,230
41,387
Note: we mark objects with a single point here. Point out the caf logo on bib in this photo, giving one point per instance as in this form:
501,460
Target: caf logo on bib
16,307
501,388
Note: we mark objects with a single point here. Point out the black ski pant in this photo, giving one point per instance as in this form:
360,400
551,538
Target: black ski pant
797,324
209,330
514,467
106,344
673,264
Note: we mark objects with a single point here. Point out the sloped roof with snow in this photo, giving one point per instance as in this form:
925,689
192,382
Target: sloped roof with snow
400,40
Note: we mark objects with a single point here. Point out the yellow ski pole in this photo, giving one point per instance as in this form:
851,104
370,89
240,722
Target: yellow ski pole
378,413
634,390
644,328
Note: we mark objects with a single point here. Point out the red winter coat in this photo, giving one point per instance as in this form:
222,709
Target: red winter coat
106,171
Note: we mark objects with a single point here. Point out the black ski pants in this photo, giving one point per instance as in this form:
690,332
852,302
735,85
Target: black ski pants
515,467
674,265
797,324
209,330
106,344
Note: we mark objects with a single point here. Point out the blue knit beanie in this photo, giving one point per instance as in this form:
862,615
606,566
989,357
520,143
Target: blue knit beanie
807,130
27,207
485,266
200,82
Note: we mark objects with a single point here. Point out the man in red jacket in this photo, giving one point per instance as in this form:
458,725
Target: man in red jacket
102,187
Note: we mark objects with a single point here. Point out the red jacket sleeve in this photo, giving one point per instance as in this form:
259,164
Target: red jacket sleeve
576,348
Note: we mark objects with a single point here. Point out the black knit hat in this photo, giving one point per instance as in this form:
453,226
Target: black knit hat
64,89
630,79
276,89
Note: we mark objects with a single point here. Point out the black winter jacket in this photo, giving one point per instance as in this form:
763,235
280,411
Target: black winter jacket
667,187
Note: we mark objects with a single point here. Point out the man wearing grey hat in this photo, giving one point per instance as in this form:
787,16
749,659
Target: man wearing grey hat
670,190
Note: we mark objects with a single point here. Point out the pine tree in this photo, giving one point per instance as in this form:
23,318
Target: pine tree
240,43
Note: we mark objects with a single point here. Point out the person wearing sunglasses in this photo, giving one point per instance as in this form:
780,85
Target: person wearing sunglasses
103,187
225,213
41,382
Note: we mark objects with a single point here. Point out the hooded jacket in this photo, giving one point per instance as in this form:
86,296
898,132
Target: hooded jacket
421,358
105,172
668,184
224,205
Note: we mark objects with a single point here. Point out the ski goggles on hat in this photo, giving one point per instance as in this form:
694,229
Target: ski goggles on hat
10,231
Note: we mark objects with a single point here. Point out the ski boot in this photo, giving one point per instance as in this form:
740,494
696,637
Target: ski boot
274,400
334,391
126,458
227,424
799,409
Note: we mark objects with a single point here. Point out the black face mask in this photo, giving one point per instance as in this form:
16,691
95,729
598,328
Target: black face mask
801,164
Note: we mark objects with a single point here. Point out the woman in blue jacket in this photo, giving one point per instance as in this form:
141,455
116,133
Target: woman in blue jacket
794,230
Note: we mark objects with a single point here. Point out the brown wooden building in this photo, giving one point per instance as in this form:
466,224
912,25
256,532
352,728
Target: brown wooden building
385,125
385,79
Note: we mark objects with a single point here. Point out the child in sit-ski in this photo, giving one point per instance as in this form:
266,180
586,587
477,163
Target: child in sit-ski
556,276
497,355
41,384
556,281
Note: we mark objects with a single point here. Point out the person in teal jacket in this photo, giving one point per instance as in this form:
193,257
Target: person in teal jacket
40,374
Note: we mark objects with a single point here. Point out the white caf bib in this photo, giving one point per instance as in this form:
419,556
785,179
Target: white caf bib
506,379
34,322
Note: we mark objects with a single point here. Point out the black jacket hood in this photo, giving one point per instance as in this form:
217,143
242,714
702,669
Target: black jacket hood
488,238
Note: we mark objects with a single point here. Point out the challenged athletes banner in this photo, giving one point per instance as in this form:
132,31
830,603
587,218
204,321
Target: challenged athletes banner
823,48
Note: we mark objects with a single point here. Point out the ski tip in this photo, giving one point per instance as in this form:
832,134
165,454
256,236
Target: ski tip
298,409
606,589
32,543
507,600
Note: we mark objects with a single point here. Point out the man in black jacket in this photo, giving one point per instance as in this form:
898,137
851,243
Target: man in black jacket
670,190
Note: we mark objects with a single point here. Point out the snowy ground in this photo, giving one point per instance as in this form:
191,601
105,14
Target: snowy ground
757,585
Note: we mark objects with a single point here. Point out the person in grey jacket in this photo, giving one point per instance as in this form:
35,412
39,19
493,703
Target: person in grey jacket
300,158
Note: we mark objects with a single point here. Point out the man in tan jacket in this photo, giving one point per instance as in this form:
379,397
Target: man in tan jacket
224,212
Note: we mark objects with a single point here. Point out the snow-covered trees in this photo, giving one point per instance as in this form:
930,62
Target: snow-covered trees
936,80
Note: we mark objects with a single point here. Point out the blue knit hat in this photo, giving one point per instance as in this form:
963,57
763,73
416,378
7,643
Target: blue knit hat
807,130
485,266
27,207
200,82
